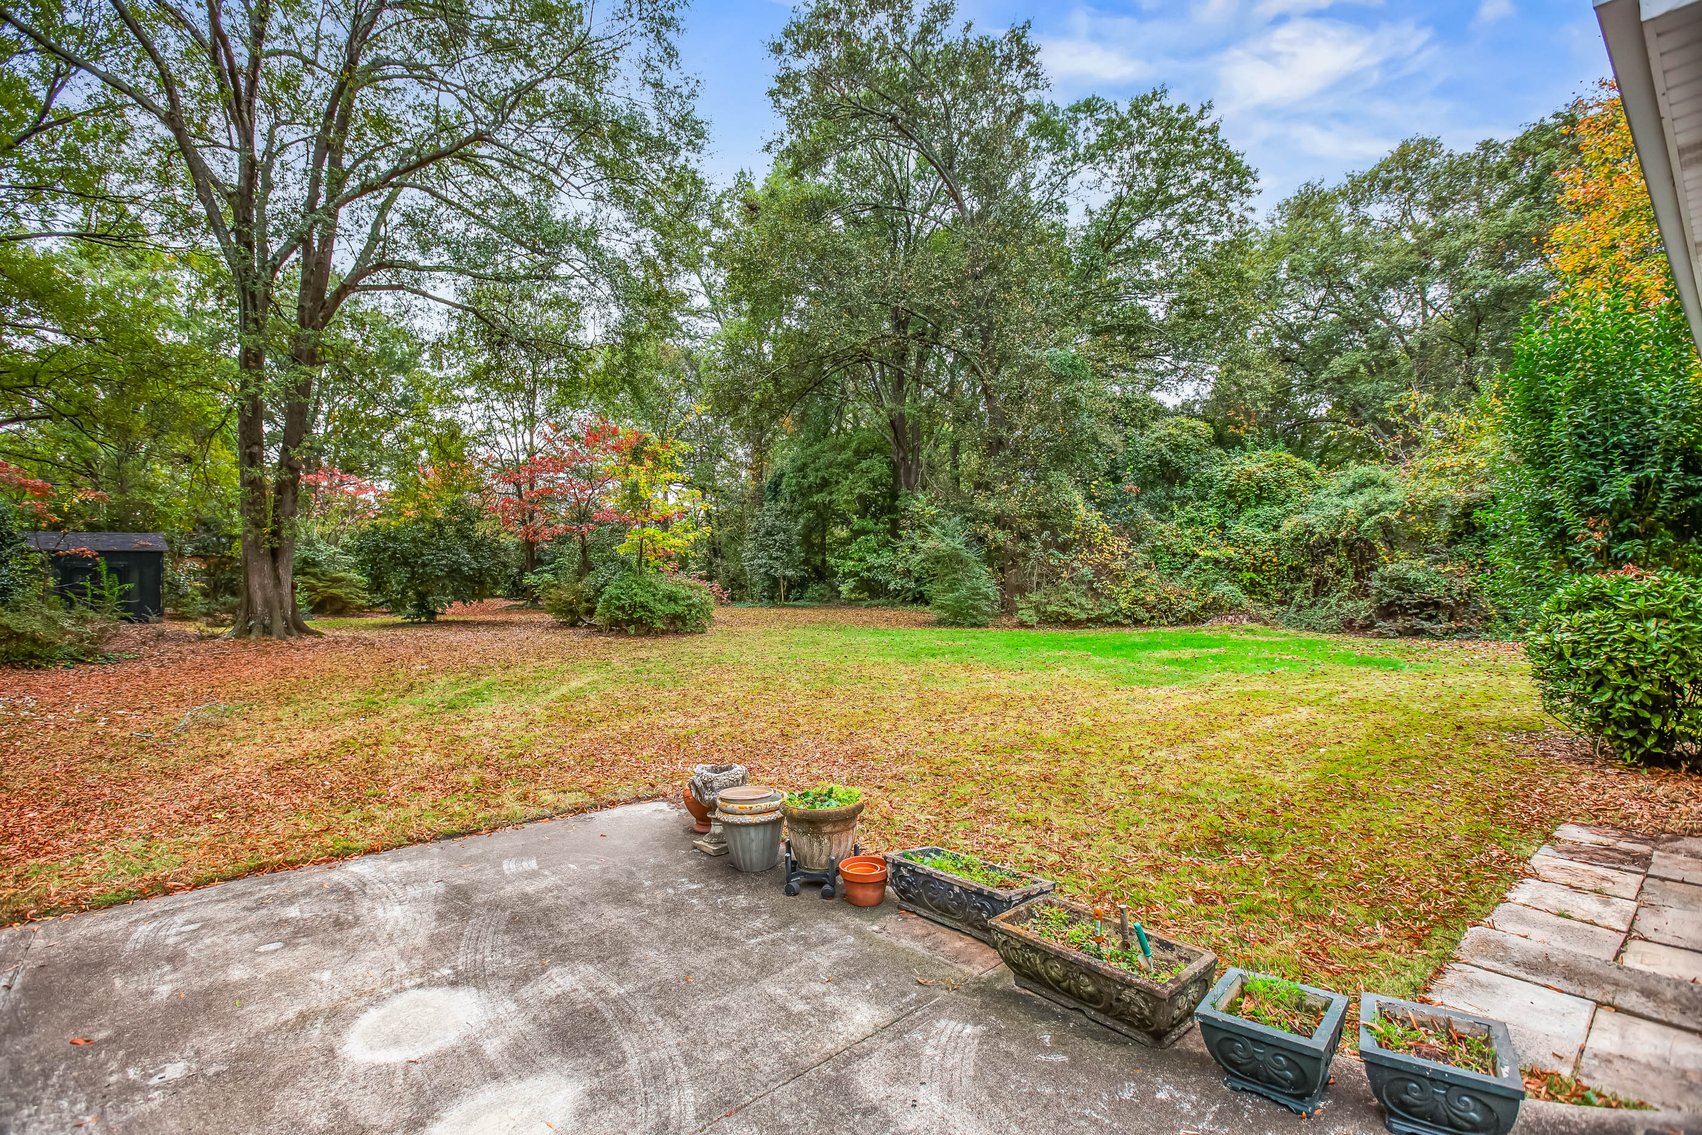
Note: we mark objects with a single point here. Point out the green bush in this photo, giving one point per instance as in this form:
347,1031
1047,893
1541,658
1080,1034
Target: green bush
1600,432
1411,597
1334,613
39,632
1619,657
572,602
1068,603
417,565
328,582
21,567
648,602
969,600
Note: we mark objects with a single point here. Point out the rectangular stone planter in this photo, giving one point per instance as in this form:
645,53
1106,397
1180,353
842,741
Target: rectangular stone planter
1424,1097
1145,1010
952,901
1282,1066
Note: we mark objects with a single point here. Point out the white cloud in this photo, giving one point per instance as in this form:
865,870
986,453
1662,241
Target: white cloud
1339,142
1297,59
1270,9
1492,11
1080,58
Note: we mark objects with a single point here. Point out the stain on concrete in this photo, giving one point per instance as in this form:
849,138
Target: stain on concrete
520,1107
413,1024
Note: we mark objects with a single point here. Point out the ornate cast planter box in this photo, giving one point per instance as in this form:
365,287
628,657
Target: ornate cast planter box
1424,1097
953,901
1148,1011
1293,1070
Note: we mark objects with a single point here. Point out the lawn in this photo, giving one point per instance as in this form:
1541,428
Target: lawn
1329,808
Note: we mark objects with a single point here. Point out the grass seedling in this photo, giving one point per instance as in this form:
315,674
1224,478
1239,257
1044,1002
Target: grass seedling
1276,1004
1439,1040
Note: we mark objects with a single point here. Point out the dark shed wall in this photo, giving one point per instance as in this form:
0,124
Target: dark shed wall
141,573
135,559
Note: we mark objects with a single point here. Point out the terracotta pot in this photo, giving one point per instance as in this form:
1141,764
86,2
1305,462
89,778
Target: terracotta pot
699,814
865,879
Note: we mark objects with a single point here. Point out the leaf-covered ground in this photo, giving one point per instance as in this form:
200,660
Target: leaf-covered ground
1327,808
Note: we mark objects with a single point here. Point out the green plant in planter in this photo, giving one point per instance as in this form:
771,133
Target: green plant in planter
824,796
1090,937
971,868
1443,1043
1277,1004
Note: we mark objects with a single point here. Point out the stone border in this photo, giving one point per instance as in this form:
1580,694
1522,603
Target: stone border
1595,962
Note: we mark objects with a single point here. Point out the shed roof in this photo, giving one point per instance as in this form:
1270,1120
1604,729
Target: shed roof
1656,49
97,541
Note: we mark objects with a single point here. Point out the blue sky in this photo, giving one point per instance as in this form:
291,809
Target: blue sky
1306,88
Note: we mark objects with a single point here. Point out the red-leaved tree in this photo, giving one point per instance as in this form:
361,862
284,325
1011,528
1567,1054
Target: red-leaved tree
568,489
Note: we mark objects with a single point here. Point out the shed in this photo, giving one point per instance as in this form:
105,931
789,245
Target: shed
135,559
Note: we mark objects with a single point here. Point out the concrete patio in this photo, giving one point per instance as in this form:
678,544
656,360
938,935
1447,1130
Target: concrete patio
587,975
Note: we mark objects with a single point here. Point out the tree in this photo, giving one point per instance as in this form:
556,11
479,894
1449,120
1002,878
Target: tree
774,549
113,384
946,256
1399,292
1600,428
1599,418
433,544
379,147
569,487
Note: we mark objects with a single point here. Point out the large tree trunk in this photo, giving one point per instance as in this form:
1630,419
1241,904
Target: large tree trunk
271,497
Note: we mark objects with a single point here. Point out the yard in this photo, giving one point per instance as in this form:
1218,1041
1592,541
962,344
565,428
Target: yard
1331,808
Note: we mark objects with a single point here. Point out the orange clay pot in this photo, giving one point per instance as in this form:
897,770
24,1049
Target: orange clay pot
865,879
699,814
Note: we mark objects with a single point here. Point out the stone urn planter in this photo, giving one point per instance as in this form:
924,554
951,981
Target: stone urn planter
750,817
1279,1064
865,879
959,891
1154,1008
705,786
822,825
1426,1096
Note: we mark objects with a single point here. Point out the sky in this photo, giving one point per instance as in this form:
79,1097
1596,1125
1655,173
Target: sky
1307,89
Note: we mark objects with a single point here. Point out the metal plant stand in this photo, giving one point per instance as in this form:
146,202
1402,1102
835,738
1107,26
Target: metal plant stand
796,876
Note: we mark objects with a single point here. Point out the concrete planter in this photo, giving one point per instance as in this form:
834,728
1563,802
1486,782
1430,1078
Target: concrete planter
1282,1066
821,837
750,819
1425,1097
1148,1011
952,901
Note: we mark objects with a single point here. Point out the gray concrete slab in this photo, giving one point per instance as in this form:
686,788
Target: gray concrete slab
1687,845
1652,1062
1548,1027
593,974
1586,876
1669,961
1569,902
1670,926
1605,837
1553,930
1601,854
1678,868
1652,995
1672,895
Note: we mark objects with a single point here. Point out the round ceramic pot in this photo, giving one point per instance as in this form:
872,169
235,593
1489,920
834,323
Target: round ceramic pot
699,814
750,818
865,879
822,836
